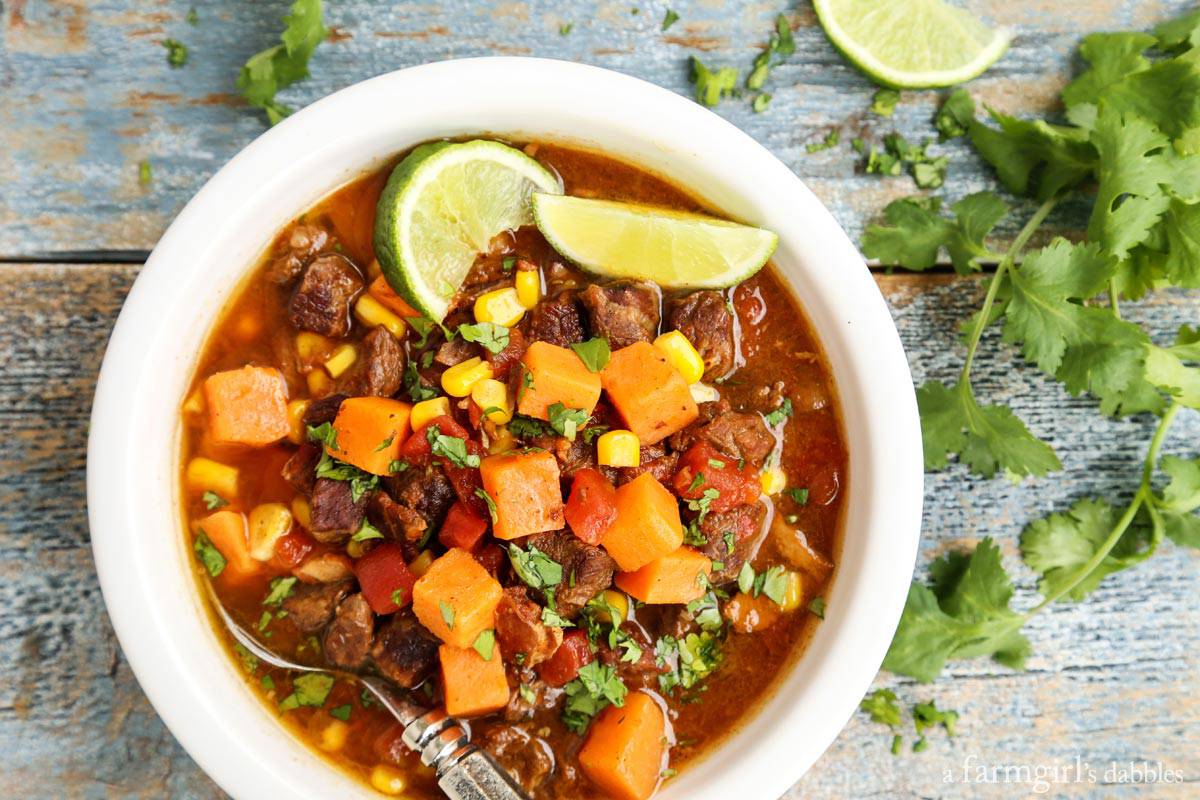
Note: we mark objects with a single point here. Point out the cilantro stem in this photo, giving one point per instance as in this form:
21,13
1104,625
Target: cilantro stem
1113,294
1005,264
1143,495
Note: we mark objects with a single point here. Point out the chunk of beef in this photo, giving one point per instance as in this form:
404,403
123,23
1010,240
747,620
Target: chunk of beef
519,628
302,243
455,352
398,522
557,320
404,652
587,570
335,514
744,522
624,313
323,410
641,673
572,456
321,303
348,638
527,758
707,322
425,490
502,362
739,435
300,470
311,606
379,369
655,459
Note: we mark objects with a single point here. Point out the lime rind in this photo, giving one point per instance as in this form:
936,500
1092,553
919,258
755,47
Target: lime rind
675,249
442,206
911,44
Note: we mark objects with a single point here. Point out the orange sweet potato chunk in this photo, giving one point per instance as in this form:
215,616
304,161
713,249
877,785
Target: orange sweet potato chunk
650,395
554,374
527,493
370,431
673,578
456,598
470,685
647,526
226,529
247,406
623,752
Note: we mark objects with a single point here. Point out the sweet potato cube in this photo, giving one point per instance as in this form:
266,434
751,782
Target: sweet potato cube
456,598
673,578
651,396
370,431
647,524
471,685
227,531
553,374
247,406
624,749
526,490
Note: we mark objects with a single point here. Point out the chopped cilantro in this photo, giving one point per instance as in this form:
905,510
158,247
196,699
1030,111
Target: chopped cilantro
482,494
536,569
669,19
447,613
213,501
491,336
192,17
565,28
566,421
760,103
956,115
800,496
323,434
928,715
341,712
884,102
552,619
310,689
595,688
594,353
527,693
278,67
712,86
816,607
506,264
413,385
831,140
280,589
882,707
366,531
145,175
780,414
524,427
177,52
210,557
361,482
485,644
451,448
248,660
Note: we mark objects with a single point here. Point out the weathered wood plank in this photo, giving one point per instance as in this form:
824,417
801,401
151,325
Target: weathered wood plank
88,93
1111,679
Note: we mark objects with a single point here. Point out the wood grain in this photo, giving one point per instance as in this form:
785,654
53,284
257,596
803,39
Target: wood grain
1113,679
87,92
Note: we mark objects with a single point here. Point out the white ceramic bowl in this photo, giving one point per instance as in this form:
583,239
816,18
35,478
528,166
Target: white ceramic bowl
134,448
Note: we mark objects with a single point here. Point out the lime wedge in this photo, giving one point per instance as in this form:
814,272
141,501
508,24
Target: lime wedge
911,44
672,248
442,206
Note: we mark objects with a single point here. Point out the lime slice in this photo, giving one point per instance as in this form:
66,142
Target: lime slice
442,206
672,248
911,44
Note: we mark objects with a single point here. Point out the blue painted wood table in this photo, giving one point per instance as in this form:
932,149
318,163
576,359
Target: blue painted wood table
87,94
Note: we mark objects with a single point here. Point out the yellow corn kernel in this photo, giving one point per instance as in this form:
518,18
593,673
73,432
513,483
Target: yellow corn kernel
388,780
318,383
341,359
618,449
491,393
793,593
206,474
500,306
311,346
420,565
773,480
426,410
703,393
616,600
302,511
295,415
373,269
194,403
269,522
333,736
372,313
529,287
681,355
458,380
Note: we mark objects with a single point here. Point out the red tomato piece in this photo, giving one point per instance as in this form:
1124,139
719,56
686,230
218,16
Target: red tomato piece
736,487
416,447
384,578
572,655
467,482
292,548
462,528
592,506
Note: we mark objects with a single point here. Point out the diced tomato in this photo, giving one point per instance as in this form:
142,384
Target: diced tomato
572,655
462,528
416,447
467,482
292,548
384,578
492,557
592,506
736,487
474,416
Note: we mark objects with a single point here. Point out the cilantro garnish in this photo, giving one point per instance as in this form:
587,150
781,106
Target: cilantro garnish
524,427
360,481
816,607
831,140
712,86
566,421
882,707
780,414
596,687
594,353
491,336
447,613
177,52
310,689
210,557
565,28
213,501
669,19
485,644
280,590
248,660
800,496
955,116
413,385
145,173
451,448
884,102
278,67
759,105
341,712
366,532
536,569
552,619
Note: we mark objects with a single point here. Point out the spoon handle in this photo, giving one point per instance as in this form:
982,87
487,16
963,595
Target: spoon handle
477,776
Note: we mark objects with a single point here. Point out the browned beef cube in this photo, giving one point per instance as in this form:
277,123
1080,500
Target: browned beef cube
323,410
335,514
519,628
404,651
426,491
707,322
303,242
321,303
739,525
300,470
311,606
348,638
587,570
379,369
624,313
556,320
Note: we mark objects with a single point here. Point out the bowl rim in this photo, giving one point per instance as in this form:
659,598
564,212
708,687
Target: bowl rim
133,490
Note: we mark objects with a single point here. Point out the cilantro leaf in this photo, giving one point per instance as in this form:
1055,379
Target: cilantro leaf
213,501
210,557
536,569
955,116
366,532
1058,545
1180,33
177,52
485,644
927,715
1033,158
273,69
830,140
712,86
592,691
491,336
280,590
916,232
986,438
310,689
780,414
884,102
964,614
524,427
1181,226
566,421
882,707
451,448
669,19
1111,57
594,353
1180,499
447,612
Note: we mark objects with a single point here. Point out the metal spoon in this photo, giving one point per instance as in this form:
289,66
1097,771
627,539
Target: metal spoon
464,771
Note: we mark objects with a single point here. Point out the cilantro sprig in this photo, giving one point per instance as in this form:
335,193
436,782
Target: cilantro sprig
278,67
